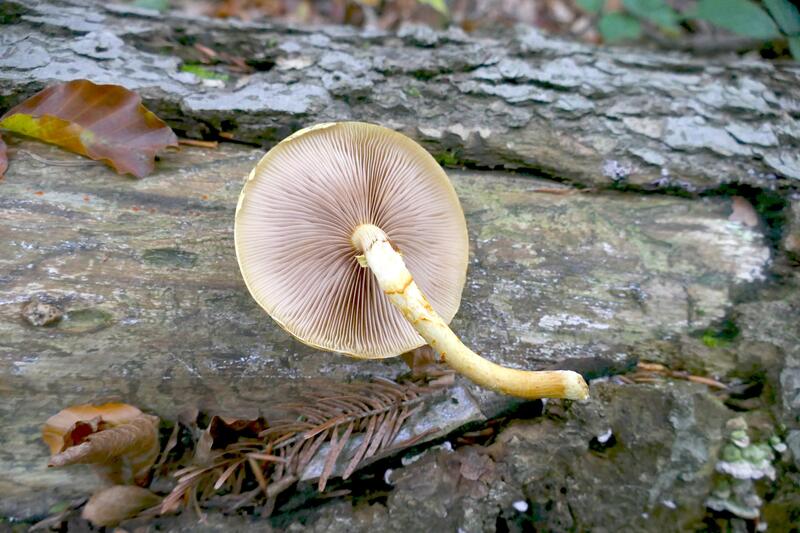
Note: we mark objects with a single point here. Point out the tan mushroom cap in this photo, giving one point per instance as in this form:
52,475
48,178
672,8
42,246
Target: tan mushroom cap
294,222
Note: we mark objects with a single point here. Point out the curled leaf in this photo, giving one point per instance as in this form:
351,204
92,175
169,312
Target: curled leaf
117,438
3,158
112,505
743,211
123,454
68,427
222,431
104,122
421,359
225,430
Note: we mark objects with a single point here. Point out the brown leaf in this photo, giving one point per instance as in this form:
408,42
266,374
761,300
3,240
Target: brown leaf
64,429
104,122
226,430
743,211
123,454
112,505
426,367
202,450
3,158
420,359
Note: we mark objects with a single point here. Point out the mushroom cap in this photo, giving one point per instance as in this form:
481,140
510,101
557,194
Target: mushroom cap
295,218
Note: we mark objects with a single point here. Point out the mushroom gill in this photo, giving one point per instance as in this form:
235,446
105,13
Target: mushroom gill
306,198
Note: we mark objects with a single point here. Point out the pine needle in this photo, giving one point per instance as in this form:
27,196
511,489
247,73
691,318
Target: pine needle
230,466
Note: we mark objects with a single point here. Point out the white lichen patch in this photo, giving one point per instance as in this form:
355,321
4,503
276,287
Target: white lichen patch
521,506
605,436
729,247
563,320
747,470
294,63
431,133
465,133
615,170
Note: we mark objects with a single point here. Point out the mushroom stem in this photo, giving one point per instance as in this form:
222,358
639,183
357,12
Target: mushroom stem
396,282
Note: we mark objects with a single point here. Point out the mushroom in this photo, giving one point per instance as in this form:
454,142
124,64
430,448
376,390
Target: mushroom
330,226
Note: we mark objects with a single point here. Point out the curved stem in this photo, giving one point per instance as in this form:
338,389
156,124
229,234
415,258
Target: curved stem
396,282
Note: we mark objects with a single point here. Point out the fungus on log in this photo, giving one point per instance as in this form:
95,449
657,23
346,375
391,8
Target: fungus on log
331,200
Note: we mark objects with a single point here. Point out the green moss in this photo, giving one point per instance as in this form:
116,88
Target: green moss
424,75
202,72
710,340
722,335
413,92
447,158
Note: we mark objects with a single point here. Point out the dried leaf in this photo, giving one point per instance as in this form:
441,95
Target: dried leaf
104,122
111,506
227,430
202,450
420,360
3,158
59,430
743,211
123,454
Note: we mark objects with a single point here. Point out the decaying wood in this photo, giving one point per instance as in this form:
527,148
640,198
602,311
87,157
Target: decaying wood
594,116
155,312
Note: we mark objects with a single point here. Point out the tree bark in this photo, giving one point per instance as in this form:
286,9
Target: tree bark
592,116
143,272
